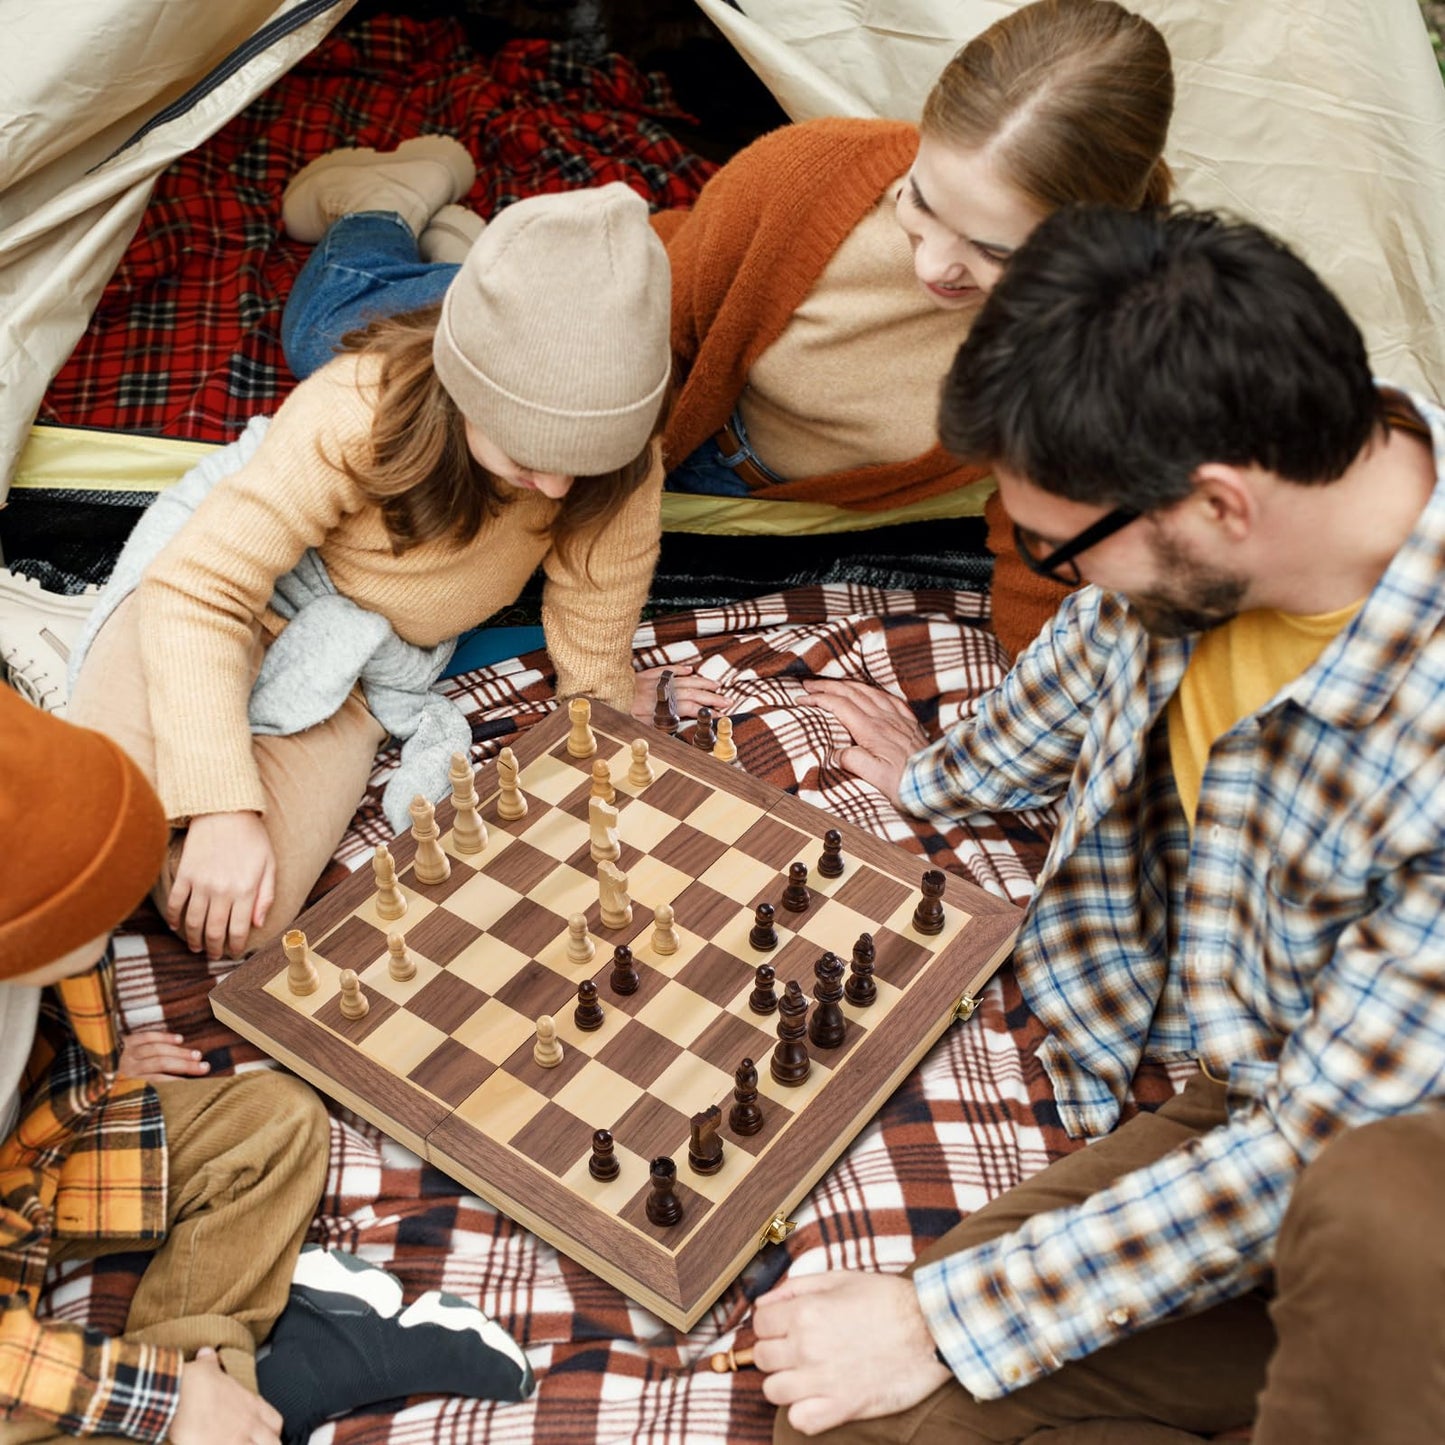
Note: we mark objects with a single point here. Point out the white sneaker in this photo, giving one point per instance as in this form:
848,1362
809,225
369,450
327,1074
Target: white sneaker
37,631
415,180
450,234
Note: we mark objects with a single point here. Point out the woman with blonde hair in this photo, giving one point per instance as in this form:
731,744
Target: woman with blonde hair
828,273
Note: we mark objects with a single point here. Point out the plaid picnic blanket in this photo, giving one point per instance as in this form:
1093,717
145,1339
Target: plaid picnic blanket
974,1118
186,338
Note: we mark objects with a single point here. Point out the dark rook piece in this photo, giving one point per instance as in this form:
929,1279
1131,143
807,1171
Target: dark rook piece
830,865
588,1013
860,990
664,1208
624,975
791,1063
745,1117
664,715
764,935
603,1164
928,916
703,735
764,997
705,1145
827,1025
796,897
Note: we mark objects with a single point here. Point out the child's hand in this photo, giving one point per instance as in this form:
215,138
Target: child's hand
690,691
153,1055
225,883
217,1410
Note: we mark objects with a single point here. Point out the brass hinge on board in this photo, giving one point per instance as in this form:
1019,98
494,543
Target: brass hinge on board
779,1228
964,1008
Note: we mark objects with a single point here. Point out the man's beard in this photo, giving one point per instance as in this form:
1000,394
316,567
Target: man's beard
1198,599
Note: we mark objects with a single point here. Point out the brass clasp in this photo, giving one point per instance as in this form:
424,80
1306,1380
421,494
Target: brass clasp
964,1008
779,1228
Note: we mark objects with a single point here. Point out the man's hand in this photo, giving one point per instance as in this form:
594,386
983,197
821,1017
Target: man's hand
225,883
691,692
215,1410
884,731
799,1325
154,1054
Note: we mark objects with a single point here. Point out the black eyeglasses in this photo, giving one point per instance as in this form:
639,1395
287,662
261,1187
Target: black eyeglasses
1059,565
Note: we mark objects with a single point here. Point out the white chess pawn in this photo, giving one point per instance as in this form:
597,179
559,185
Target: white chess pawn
641,773
602,781
547,1051
724,749
664,935
354,1003
581,948
400,964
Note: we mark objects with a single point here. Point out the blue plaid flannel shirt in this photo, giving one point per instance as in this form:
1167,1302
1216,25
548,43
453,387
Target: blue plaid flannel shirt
1295,943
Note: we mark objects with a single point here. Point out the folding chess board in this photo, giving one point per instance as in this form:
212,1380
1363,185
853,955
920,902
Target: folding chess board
443,1062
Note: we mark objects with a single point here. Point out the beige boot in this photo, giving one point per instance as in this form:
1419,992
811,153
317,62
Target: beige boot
415,181
37,631
450,235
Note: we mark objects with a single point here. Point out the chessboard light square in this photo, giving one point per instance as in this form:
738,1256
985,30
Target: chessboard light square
495,1031
483,900
501,1106
650,881
401,1041
487,963
678,1013
624,784
901,921
565,891
723,817
548,778
643,826
417,908
378,976
740,876
832,926
328,987
598,1093
592,1042
557,834
690,1084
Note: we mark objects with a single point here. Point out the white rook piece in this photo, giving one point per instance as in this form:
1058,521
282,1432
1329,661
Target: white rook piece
301,975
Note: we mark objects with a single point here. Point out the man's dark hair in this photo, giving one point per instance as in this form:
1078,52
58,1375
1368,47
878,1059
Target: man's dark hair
1120,350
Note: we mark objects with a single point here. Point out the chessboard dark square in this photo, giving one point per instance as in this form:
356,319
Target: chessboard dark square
534,990
729,1039
520,866
354,945
582,860
652,1127
439,892
521,1065
898,959
579,801
772,892
441,935
528,927
795,959
689,851
446,1001
702,910
639,1053
676,793
606,748
451,1071
775,1119
694,1207
870,893
650,983
717,974
554,1139
775,843
356,1029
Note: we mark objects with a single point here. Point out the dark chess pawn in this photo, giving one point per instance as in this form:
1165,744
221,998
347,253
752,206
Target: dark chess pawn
745,1117
588,1013
928,916
624,976
796,898
603,1164
764,997
791,1063
827,1025
664,1208
703,735
764,935
830,865
665,715
860,990
705,1145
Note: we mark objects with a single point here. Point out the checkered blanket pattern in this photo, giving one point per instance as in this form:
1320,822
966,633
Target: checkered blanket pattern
974,1118
186,338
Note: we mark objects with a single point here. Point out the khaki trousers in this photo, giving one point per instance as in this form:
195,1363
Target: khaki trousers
1349,1349
312,780
248,1160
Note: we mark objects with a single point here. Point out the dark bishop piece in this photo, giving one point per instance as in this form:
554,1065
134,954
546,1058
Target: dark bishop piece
745,1117
928,916
796,897
827,1026
791,1064
830,864
860,990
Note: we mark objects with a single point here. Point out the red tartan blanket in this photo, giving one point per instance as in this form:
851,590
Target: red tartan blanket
186,339
974,1118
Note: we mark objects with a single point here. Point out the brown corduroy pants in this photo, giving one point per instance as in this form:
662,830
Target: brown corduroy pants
248,1160
1348,1349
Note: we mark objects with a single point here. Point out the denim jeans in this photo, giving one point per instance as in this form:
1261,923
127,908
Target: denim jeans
366,265
712,471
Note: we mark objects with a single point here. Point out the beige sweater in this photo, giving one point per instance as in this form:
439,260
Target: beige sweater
204,597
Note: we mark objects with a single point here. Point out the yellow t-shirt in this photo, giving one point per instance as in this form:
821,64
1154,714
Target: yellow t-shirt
1234,671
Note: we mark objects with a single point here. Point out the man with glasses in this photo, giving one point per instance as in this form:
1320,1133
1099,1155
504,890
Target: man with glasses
1242,720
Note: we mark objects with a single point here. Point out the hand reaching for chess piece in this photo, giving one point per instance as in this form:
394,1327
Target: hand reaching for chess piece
690,691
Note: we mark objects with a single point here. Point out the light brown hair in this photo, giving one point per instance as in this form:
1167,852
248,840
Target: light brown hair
418,468
1072,96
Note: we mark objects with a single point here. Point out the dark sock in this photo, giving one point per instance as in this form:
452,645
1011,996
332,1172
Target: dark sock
344,1341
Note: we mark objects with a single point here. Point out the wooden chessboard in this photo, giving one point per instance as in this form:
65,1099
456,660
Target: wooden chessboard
443,1062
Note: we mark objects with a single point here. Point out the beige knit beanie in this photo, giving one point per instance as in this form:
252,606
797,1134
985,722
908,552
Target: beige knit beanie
554,336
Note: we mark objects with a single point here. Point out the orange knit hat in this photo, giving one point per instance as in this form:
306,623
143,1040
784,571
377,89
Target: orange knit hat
83,835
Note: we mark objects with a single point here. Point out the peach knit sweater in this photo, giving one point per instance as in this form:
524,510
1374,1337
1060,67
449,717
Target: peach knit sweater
203,598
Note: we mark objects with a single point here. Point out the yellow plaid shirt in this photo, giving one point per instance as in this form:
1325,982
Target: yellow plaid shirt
87,1160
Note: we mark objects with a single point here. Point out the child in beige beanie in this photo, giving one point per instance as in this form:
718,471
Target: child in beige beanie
403,494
